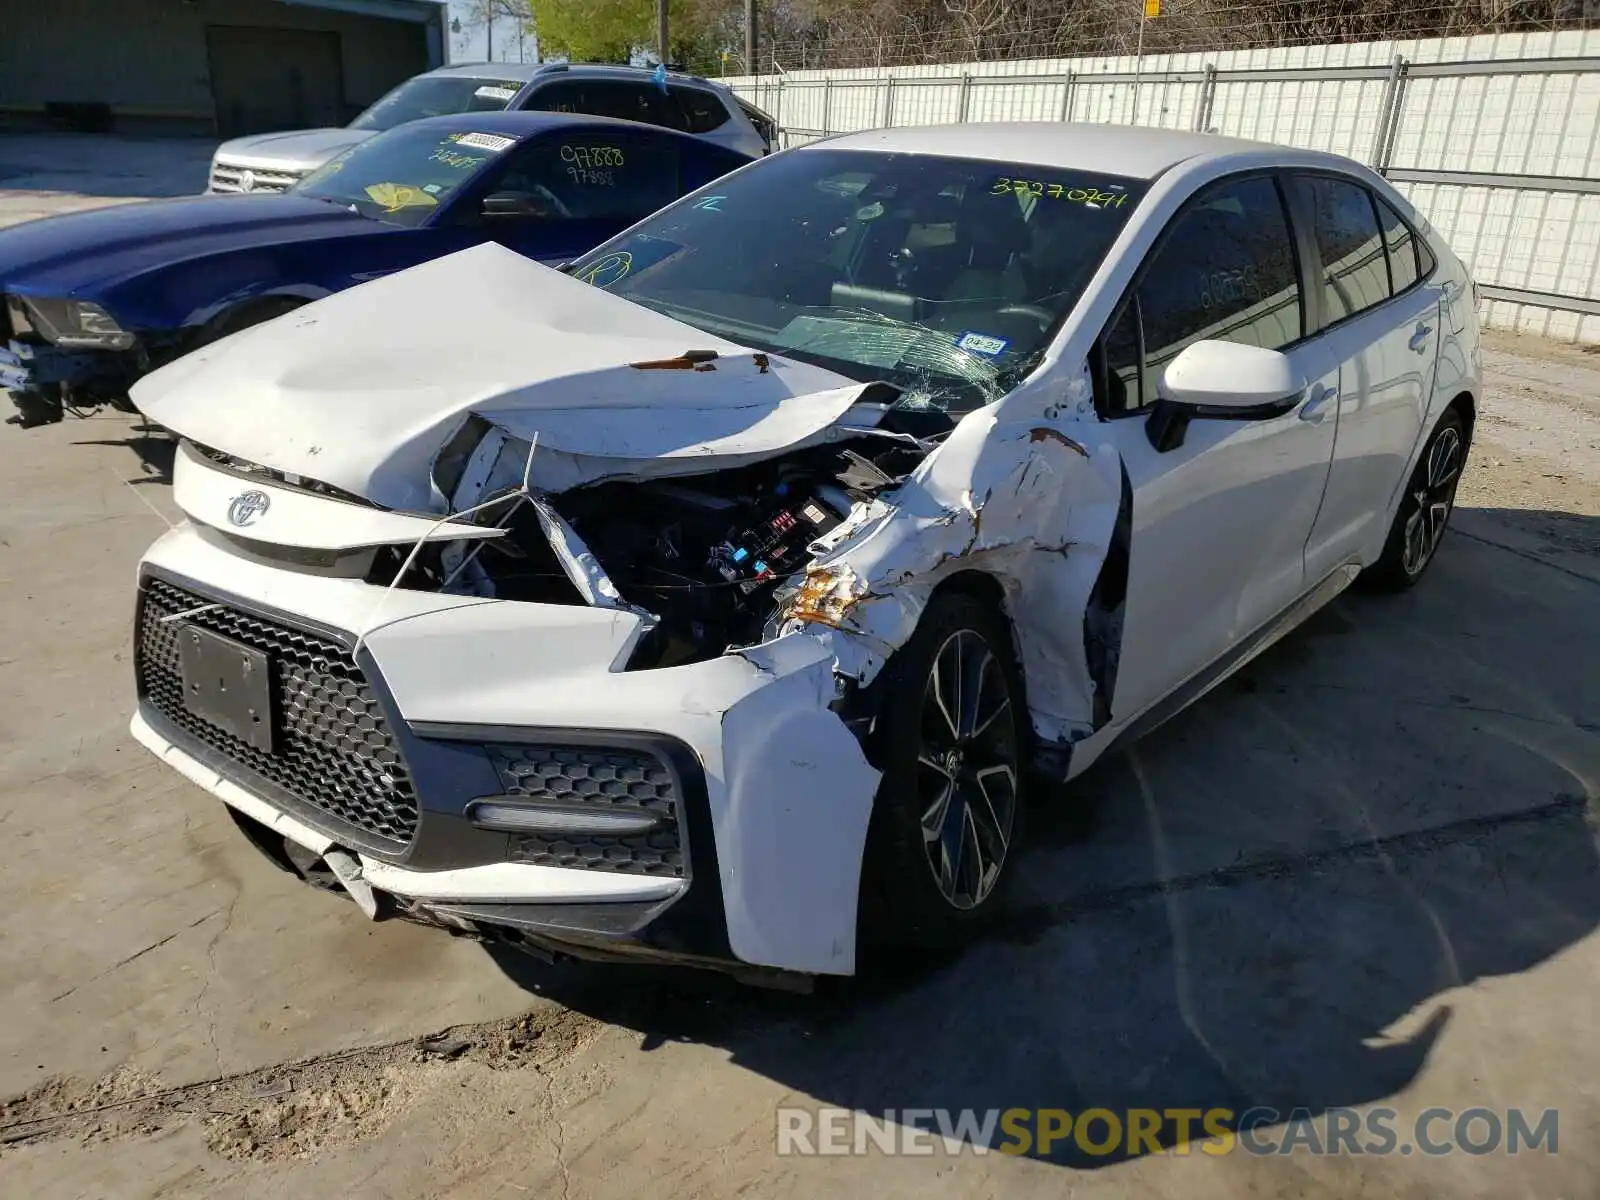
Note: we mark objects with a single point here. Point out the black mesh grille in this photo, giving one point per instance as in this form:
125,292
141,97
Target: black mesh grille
332,747
602,777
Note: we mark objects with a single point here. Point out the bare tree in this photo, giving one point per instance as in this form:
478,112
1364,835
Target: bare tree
861,33
487,14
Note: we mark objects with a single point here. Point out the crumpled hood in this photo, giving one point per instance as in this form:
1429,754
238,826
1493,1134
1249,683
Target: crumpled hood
362,390
297,150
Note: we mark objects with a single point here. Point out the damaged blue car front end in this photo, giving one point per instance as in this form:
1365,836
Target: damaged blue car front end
63,353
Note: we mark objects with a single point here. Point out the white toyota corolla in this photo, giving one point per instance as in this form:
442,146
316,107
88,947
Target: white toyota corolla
727,597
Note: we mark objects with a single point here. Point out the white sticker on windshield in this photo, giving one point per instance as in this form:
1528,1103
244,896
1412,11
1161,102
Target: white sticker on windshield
491,92
486,141
982,343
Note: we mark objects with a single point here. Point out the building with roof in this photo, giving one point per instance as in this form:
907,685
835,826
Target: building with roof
214,67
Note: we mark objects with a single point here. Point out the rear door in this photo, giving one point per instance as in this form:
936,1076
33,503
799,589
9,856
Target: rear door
582,185
1219,522
1382,319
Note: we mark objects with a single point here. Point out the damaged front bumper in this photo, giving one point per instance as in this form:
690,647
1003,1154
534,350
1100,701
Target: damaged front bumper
386,758
36,374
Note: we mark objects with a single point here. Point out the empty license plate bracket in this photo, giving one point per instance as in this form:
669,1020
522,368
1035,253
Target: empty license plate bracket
227,684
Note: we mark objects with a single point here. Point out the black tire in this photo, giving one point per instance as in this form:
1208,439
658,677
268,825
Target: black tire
907,900
37,407
1425,509
255,312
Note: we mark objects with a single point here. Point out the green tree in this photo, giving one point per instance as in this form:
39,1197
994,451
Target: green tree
614,30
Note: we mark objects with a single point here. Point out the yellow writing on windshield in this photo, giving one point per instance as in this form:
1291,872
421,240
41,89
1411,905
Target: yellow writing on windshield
1005,186
606,271
395,196
454,158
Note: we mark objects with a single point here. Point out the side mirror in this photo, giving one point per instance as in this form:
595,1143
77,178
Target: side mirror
1225,381
513,204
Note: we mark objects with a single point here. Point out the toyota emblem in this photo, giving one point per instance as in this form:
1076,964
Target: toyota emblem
244,508
247,183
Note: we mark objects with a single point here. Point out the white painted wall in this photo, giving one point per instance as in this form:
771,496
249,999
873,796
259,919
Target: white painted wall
1512,122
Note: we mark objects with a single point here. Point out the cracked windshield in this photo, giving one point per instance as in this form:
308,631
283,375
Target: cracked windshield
943,276
403,176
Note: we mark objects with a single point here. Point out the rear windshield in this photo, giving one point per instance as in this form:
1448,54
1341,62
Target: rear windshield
437,96
403,176
944,276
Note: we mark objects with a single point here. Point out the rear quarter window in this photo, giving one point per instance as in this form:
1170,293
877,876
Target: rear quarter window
703,111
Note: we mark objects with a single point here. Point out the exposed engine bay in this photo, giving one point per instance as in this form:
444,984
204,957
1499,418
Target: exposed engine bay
701,555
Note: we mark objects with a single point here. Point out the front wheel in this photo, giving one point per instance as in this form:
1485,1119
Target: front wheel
1424,511
953,730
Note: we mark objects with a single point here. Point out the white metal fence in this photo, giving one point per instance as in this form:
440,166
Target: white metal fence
1495,139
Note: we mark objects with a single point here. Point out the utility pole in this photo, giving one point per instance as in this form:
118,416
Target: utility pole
751,66
661,29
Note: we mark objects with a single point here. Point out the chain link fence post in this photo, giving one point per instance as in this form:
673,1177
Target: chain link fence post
1066,96
1208,95
1397,112
1386,113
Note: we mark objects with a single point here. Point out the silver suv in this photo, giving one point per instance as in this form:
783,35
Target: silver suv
273,162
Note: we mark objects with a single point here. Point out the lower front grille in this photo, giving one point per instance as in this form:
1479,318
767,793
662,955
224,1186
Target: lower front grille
225,178
599,777
333,749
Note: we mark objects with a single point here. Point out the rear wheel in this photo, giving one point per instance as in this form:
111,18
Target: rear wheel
948,808
1424,510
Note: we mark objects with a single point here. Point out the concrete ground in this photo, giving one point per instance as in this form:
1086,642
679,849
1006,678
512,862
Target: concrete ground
41,175
1365,873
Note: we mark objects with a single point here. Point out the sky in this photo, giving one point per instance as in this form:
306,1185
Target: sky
471,46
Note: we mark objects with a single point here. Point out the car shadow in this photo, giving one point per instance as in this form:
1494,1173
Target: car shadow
1282,882
155,450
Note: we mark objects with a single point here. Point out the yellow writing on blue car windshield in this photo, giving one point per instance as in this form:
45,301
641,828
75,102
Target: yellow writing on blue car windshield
1092,196
606,271
454,158
395,196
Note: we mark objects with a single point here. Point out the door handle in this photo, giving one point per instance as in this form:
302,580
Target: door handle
1315,410
1419,339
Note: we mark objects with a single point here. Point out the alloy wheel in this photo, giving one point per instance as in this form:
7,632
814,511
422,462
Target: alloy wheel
1433,493
967,769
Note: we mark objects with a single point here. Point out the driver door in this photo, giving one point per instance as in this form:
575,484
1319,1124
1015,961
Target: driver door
1220,519
563,193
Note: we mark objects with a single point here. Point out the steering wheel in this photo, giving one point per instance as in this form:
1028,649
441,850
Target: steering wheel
1043,316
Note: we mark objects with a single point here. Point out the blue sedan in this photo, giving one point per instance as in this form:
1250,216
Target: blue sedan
94,300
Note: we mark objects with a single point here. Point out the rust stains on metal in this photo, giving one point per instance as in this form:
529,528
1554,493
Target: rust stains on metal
689,360
762,362
1045,434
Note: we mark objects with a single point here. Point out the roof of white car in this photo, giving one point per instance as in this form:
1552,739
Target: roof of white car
1135,152
528,71
491,70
